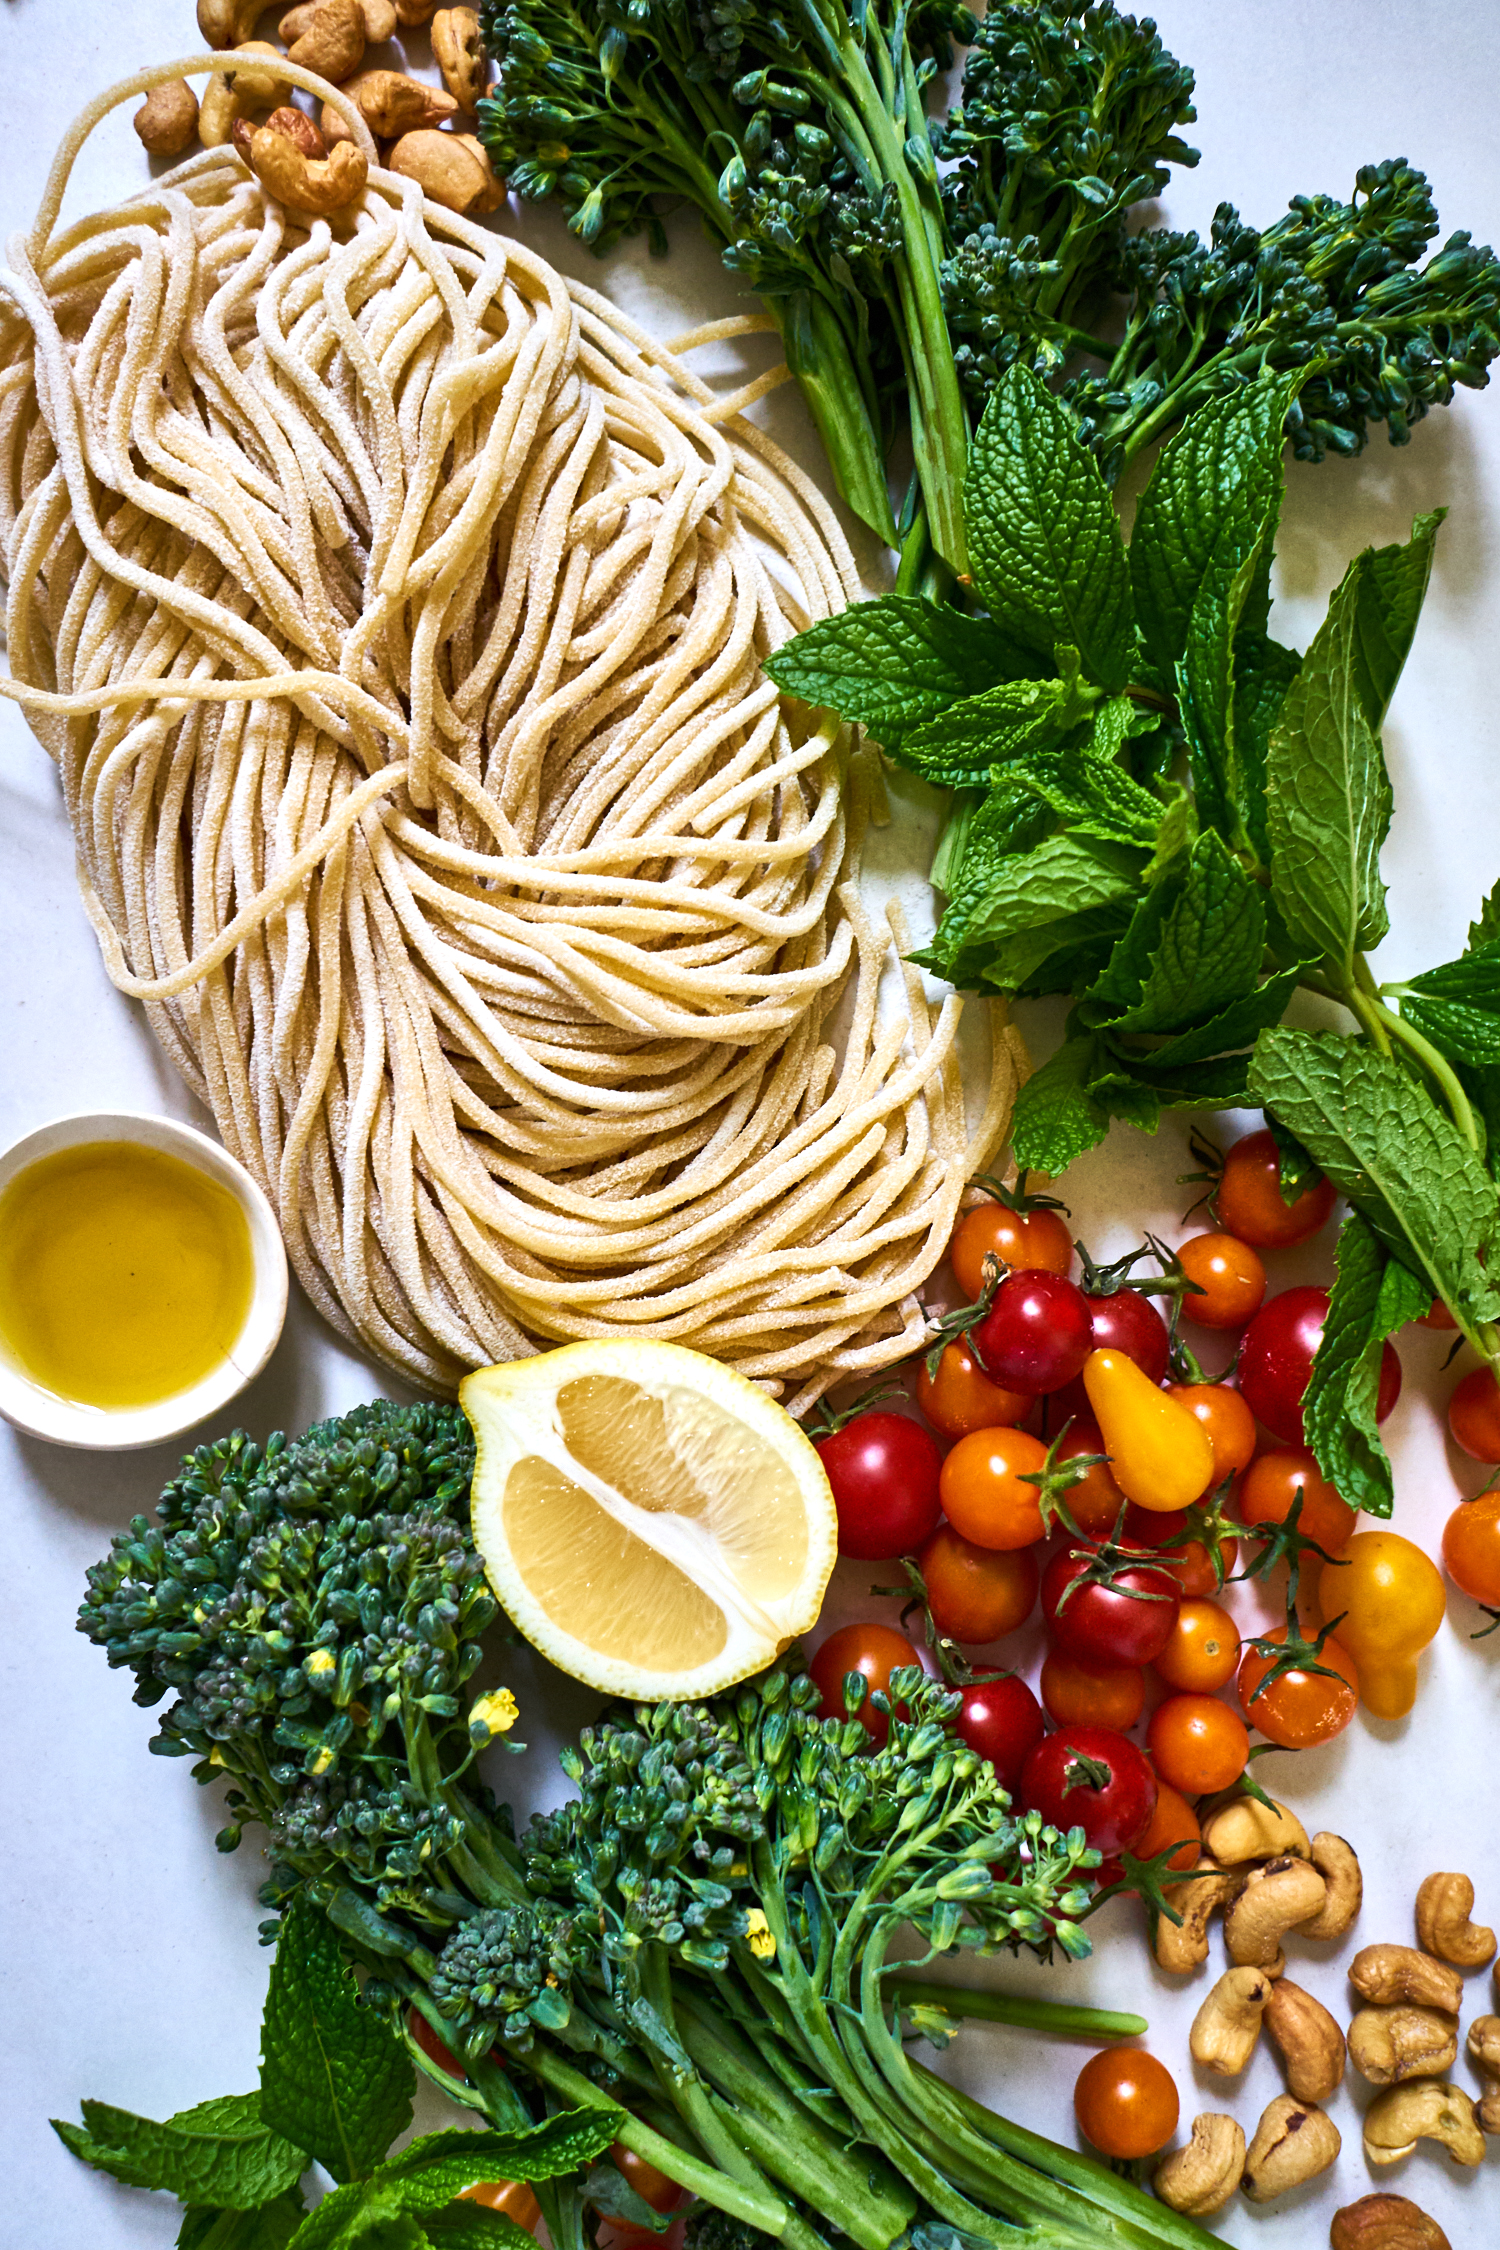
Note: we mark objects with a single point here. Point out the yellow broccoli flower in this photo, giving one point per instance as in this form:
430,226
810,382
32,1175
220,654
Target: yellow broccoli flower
759,1936
495,1713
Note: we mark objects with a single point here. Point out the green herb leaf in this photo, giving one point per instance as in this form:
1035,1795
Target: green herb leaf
1372,1296
1234,1026
1263,671
1401,1161
1044,540
894,663
439,2165
1457,1006
1392,587
348,2217
1193,946
471,2226
959,749
1487,928
1030,906
270,2226
220,2152
1055,1118
334,2075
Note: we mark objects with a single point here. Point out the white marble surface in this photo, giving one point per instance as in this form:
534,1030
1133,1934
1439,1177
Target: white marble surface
129,1960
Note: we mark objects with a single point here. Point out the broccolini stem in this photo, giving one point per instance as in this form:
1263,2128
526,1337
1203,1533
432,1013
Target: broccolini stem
1007,2007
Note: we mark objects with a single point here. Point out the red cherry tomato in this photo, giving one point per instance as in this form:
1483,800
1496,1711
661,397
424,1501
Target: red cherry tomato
431,2046
1153,1527
1276,1360
1231,1280
961,1397
1474,1415
1471,1549
1037,1333
983,1489
1127,1622
1095,1501
1125,2103
977,1593
875,1652
1227,1419
652,2186
884,1472
1250,1201
1092,1778
1173,1822
1268,1490
1128,1322
1299,1709
1002,1721
1437,1315
1033,1241
1197,1743
1104,1695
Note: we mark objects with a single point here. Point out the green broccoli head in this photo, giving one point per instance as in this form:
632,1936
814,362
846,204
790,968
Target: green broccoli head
504,1972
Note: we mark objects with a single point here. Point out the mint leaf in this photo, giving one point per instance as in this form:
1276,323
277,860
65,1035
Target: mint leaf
893,663
270,2226
1211,505
1055,1119
1487,927
1401,1161
1263,671
1044,541
1217,1082
1234,1026
1457,1006
1328,798
1198,947
334,2076
1392,587
439,2166
1031,904
220,2152
471,2226
1206,692
340,2220
1373,1295
987,730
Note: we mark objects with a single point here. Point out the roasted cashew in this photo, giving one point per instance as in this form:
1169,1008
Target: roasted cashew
1336,1863
1385,2222
167,119
1392,2043
1425,2110
1276,1897
294,124
228,23
1227,2025
1444,1905
232,94
1200,2178
390,104
458,51
1183,1946
256,87
1245,1829
331,41
452,168
414,12
379,15
217,112
1483,2045
1309,2039
1387,1973
304,185
1293,2142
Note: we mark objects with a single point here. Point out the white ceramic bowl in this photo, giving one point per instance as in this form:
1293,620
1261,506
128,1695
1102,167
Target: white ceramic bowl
110,1429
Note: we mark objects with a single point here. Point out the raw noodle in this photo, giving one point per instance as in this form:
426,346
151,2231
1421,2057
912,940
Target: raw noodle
394,610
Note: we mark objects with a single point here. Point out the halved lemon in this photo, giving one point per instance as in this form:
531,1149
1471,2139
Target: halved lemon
653,1522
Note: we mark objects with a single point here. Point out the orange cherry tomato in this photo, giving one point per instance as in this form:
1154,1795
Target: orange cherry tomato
1204,1650
875,1652
977,1593
1471,1549
1299,1709
1474,1415
1192,1566
513,2197
1250,1200
1173,1822
1437,1316
982,1492
1029,1241
1105,1695
961,1397
1231,1280
1095,1501
1270,1485
652,2186
1197,1743
1227,1419
1126,2103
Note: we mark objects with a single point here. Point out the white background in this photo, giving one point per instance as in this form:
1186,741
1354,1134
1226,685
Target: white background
129,1960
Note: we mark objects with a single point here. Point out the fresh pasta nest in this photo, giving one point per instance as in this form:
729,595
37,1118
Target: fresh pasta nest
394,612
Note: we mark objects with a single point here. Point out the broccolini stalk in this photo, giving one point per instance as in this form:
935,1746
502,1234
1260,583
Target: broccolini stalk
700,1938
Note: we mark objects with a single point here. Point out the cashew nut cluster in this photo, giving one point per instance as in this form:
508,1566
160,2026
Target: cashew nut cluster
1294,2142
1390,2044
1308,2038
1227,2025
1200,2179
1390,1973
1385,2222
1426,2109
1444,1906
1483,2046
1276,1897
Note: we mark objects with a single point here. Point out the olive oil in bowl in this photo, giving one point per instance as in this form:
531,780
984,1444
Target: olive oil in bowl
126,1274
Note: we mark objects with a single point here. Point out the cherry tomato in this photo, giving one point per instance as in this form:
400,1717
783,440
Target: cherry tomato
1037,1333
1276,1360
652,2186
1002,1720
961,1397
1029,1241
513,2197
1231,1280
1250,1201
1192,1565
1197,1743
977,1593
875,1652
1095,1501
1204,1650
1128,1622
1299,1709
1125,2103
1226,1418
1091,1778
884,1472
431,2046
1159,1452
1474,1415
1153,1527
1103,1695
1128,1322
1269,1487
1388,1599
982,1491
1437,1316
1471,1548
1173,1822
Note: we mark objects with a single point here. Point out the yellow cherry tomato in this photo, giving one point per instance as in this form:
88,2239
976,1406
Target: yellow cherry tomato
1160,1455
1389,1598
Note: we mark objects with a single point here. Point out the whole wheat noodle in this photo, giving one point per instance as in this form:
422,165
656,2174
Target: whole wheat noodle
394,611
